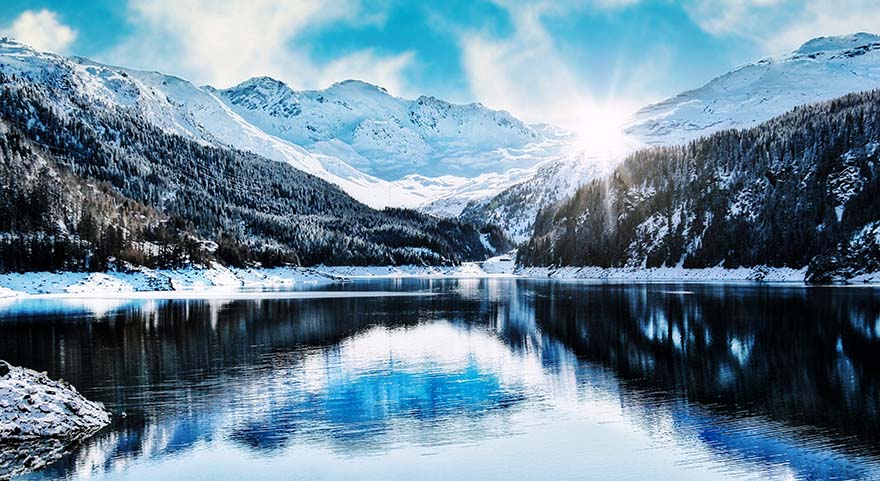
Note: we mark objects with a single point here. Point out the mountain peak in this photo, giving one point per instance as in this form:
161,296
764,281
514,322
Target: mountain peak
354,84
841,42
9,44
821,69
261,82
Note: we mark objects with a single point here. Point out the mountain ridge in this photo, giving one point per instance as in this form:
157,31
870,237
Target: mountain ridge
194,196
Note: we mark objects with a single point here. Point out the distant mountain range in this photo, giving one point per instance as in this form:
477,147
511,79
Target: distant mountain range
99,168
485,167
382,150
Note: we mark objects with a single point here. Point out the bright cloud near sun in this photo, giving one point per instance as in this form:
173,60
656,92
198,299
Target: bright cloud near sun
529,76
41,29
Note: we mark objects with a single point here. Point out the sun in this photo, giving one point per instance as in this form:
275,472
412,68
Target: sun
599,128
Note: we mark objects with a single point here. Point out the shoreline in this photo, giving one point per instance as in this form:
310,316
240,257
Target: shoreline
221,281
210,281
757,274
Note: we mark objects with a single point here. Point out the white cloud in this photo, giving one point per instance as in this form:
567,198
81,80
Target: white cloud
224,43
782,25
824,18
41,30
529,76
730,16
615,3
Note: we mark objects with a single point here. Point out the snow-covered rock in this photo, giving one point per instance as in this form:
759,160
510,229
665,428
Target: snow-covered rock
32,406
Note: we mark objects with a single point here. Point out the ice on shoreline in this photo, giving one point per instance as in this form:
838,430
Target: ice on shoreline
216,278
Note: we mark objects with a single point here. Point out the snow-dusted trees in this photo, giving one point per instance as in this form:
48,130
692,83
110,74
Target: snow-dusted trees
803,185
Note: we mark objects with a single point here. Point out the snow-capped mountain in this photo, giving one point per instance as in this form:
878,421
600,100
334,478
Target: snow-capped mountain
179,107
380,149
442,155
821,69
383,135
101,170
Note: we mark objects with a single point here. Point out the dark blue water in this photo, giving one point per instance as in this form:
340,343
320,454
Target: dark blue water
468,380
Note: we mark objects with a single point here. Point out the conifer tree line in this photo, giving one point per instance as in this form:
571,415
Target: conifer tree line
91,186
800,190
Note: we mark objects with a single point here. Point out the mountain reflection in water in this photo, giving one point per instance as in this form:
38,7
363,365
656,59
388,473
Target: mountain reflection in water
490,379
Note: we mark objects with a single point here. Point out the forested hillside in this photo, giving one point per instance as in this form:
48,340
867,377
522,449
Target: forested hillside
89,172
800,190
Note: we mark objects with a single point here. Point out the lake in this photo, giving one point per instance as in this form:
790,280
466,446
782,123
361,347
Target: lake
470,379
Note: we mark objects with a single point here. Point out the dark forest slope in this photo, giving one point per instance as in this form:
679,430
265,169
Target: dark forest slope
802,189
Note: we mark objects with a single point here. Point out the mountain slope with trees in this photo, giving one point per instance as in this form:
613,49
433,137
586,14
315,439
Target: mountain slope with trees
237,206
800,190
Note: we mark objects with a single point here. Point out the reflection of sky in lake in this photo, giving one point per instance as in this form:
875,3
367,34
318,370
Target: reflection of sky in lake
489,382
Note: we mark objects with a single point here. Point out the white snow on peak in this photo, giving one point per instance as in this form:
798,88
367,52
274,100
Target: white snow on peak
177,106
383,135
843,42
821,69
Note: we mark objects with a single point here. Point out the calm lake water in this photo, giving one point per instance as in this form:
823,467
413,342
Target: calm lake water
498,379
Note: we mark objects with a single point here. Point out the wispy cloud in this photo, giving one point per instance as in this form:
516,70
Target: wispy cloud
782,25
223,43
529,74
823,18
40,29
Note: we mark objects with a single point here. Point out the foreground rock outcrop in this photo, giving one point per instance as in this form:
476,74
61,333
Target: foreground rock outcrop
32,406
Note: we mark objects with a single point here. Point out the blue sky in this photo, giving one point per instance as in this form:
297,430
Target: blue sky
561,61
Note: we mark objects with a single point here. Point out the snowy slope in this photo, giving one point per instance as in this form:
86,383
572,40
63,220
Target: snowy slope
383,135
821,69
442,155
